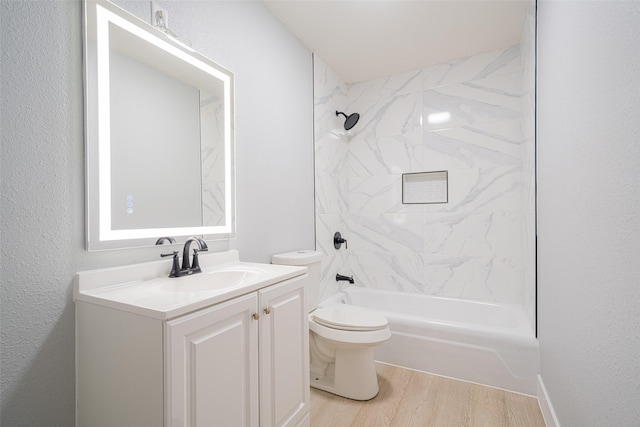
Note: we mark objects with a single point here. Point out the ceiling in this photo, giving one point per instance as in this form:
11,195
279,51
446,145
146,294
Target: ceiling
366,39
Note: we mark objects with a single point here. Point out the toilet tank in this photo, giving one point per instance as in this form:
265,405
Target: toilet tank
306,258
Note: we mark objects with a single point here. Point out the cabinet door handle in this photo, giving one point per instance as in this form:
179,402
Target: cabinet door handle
267,310
256,316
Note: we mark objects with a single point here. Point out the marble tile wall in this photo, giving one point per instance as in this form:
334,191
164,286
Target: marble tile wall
528,53
213,156
478,245
331,172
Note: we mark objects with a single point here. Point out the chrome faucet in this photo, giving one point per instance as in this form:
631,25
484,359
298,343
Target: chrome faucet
186,269
202,246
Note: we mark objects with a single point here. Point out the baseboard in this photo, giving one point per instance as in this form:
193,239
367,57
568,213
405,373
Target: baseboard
546,407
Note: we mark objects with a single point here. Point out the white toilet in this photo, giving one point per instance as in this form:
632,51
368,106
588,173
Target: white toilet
341,338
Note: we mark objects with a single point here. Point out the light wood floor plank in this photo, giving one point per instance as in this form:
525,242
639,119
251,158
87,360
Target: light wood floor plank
488,407
452,405
416,399
382,409
418,408
330,410
523,410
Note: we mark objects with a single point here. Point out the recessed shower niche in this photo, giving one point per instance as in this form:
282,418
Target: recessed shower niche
425,187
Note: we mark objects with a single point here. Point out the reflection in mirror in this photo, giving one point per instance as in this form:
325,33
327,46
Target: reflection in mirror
159,135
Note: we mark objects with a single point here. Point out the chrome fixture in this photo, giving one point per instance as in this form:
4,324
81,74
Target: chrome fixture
345,278
350,120
163,240
338,241
202,246
186,269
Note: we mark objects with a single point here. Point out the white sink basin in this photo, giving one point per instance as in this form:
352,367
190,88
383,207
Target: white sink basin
210,281
146,289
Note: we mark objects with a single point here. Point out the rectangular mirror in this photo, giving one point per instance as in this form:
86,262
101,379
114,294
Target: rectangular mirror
159,135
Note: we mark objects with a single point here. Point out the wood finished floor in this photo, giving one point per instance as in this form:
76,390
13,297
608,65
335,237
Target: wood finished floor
412,398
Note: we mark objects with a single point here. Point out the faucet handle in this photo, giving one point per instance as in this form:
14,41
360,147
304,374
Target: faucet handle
195,264
175,268
338,240
202,245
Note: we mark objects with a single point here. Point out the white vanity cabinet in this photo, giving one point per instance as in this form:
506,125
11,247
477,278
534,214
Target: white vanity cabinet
212,366
239,362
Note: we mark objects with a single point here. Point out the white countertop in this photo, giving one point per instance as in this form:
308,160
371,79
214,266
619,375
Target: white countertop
142,288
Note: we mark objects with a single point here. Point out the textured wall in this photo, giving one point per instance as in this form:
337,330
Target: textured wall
589,210
41,208
42,186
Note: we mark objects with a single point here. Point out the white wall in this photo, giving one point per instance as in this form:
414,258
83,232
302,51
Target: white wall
589,210
42,181
273,118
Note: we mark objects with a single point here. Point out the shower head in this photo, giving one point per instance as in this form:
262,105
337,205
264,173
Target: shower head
350,121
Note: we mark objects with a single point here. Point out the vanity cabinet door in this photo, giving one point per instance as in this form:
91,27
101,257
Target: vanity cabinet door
211,366
284,355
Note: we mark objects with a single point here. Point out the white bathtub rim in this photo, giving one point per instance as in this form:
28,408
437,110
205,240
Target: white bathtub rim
524,330
518,369
355,289
408,323
477,364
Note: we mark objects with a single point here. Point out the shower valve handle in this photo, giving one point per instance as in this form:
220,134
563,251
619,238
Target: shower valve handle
338,241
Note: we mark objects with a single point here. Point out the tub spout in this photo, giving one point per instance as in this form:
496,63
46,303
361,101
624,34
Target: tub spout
345,278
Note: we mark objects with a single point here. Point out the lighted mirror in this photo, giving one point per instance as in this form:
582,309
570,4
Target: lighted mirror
159,135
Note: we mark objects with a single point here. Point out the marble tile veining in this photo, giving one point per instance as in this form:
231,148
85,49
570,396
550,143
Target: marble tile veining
472,117
491,99
391,155
386,232
482,145
372,91
476,67
331,193
397,115
212,152
331,154
390,270
476,234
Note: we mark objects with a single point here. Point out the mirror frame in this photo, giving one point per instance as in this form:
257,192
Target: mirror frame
98,15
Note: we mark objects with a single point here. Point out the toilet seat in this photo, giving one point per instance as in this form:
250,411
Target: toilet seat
349,325
349,318
350,338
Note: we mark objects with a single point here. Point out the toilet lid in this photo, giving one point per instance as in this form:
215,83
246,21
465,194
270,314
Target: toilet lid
349,318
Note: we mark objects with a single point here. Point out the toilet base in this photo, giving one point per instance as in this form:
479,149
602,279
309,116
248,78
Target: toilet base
352,375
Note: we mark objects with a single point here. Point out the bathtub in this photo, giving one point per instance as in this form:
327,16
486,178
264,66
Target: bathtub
484,343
